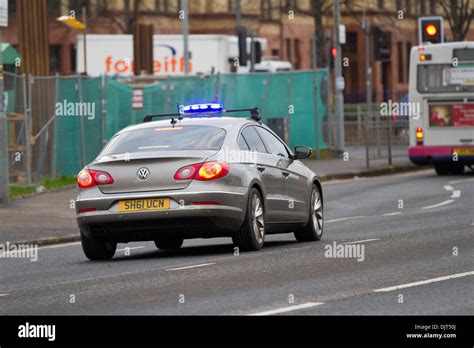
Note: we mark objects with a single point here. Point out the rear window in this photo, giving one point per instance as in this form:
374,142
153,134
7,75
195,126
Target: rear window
166,139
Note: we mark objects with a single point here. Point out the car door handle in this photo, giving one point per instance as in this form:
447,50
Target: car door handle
261,169
286,174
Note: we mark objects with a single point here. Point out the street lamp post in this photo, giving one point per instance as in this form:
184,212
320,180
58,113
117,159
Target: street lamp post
73,23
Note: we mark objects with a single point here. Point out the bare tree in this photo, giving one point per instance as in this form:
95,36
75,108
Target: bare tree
317,10
123,18
459,14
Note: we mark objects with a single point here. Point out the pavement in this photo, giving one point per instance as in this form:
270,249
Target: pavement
409,250
49,217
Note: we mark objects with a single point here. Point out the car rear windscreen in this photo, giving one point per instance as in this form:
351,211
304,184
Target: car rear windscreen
166,139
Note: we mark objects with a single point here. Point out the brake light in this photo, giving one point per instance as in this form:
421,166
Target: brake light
188,172
90,178
212,171
419,136
205,171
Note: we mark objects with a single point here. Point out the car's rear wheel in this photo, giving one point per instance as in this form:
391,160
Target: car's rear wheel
96,248
169,243
251,235
313,230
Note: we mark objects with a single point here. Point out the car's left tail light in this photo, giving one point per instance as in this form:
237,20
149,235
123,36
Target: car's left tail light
90,178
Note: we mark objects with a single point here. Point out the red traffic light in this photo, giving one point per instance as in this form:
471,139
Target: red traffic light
431,30
333,52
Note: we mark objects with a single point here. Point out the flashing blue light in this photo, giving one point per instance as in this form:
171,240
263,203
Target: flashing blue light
200,108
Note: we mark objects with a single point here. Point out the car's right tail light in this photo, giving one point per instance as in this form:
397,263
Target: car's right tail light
204,172
90,178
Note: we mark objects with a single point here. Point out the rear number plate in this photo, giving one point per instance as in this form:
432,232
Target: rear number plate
144,204
466,151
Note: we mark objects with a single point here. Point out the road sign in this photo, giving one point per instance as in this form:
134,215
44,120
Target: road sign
3,13
137,99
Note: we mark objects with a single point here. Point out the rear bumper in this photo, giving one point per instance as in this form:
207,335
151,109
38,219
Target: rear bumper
183,218
438,154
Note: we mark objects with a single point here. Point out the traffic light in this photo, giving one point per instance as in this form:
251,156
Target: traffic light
242,35
332,56
257,48
430,29
381,46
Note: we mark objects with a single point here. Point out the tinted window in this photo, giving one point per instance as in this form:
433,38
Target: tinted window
253,140
274,146
243,144
167,139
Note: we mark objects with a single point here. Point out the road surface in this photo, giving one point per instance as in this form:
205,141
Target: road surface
415,230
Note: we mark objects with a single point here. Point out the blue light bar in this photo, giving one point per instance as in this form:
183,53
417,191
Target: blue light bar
200,108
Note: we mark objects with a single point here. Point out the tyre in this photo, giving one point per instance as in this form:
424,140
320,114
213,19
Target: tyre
251,235
95,248
313,230
457,169
441,170
169,243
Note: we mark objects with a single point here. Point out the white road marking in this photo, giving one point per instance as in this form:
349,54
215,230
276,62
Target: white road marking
362,241
290,308
130,248
343,219
188,267
423,282
439,204
448,187
391,214
1,295
456,194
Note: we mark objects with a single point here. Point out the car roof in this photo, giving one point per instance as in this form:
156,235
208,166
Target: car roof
217,121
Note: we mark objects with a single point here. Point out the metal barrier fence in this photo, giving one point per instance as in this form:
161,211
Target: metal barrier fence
57,124
371,136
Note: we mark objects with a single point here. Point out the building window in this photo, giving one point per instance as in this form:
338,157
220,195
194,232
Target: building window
422,7
432,7
231,6
266,9
401,75
75,6
381,4
166,6
54,8
408,6
55,58
290,4
297,60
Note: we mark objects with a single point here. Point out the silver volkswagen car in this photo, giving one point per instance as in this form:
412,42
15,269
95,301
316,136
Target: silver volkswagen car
197,174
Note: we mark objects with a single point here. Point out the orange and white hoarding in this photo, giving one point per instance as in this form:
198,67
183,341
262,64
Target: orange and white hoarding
113,54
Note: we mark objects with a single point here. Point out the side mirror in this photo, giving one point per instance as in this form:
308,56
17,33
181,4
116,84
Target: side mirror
302,152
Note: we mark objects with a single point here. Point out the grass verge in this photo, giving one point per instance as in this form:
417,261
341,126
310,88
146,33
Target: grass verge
45,185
